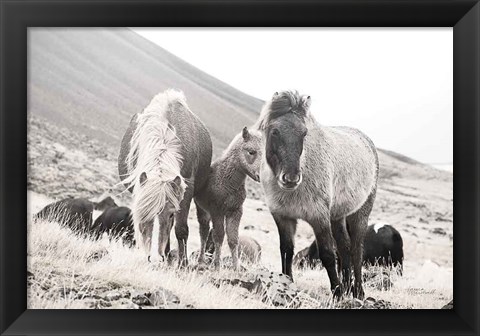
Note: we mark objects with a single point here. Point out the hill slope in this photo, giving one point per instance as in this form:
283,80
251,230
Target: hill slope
93,80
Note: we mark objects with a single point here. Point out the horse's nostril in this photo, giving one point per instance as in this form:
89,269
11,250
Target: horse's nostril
148,258
290,178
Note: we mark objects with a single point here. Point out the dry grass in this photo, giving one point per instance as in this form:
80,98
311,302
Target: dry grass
63,267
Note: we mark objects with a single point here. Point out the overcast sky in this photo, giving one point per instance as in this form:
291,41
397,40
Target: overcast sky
396,85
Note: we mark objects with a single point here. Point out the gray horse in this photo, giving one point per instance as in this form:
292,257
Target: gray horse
164,160
222,198
326,176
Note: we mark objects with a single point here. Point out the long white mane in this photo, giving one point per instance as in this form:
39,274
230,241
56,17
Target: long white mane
155,150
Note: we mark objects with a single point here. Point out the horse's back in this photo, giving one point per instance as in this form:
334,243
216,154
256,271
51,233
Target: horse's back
345,161
124,149
75,213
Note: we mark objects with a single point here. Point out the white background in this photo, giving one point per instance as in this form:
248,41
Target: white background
396,85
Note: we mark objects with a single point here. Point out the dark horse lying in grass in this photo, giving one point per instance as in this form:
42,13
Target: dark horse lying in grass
383,246
326,176
116,222
75,213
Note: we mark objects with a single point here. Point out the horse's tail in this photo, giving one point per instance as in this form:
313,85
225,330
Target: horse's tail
155,154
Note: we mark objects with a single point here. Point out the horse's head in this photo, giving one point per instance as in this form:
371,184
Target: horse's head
251,153
107,203
285,130
156,227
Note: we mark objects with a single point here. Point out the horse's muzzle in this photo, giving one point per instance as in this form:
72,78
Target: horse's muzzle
290,181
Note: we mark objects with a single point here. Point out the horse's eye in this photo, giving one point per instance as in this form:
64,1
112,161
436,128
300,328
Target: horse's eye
171,216
304,134
275,132
252,152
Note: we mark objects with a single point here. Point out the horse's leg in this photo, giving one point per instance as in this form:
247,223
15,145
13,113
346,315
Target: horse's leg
340,234
218,223
286,230
181,227
326,251
232,221
167,247
357,227
203,221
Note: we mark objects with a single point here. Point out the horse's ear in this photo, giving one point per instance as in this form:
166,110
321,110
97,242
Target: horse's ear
245,134
143,178
306,101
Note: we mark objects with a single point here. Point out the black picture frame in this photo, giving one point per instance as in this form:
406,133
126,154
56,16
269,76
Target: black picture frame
16,16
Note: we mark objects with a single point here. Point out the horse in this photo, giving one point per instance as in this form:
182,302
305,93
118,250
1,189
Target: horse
75,213
383,246
164,160
221,201
326,176
249,250
106,203
308,257
117,223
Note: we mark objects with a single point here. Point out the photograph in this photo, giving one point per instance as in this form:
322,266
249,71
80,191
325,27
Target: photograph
240,168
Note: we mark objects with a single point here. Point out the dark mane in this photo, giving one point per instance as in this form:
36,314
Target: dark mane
284,102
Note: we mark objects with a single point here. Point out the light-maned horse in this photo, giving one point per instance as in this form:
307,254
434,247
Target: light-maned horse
221,201
326,176
164,160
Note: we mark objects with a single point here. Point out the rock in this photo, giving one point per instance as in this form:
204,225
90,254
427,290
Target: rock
448,305
113,296
277,288
248,285
274,288
140,299
368,303
131,305
99,304
382,304
421,220
439,231
163,297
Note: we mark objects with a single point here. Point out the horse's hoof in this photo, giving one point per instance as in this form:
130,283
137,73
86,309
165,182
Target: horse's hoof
183,264
201,267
